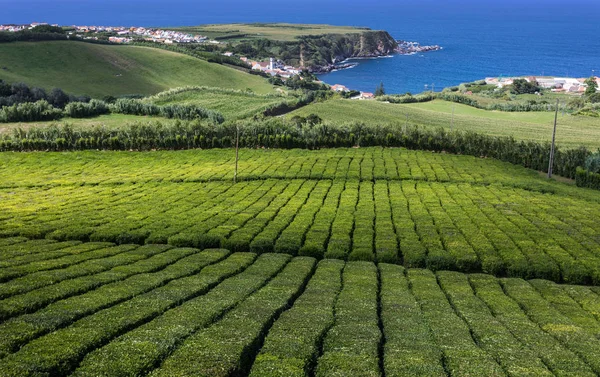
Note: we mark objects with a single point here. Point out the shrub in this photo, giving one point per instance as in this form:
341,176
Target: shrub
29,112
86,110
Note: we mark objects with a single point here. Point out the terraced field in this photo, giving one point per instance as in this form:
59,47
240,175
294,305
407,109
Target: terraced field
232,104
97,309
418,209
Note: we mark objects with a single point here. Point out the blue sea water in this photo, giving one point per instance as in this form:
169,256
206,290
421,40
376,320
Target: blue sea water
480,37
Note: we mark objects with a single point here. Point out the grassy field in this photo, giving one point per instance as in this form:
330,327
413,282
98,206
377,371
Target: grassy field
108,120
573,131
233,105
275,31
99,70
389,205
160,311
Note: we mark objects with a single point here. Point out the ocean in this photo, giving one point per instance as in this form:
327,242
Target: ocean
479,38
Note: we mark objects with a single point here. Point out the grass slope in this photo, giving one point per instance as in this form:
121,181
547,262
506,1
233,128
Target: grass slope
573,131
98,70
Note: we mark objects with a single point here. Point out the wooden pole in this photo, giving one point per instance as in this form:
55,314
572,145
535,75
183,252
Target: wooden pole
406,124
551,164
237,148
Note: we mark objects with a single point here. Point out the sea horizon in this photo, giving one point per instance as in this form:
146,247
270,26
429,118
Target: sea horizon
510,38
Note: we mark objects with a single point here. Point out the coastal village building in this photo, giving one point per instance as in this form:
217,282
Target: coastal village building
339,88
556,84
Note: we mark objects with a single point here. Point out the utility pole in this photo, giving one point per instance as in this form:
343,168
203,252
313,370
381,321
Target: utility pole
237,148
432,87
452,125
406,125
551,164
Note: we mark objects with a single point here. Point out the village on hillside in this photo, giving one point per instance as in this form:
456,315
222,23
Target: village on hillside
118,34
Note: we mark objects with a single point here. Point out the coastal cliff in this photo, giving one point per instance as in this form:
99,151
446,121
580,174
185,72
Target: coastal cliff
324,53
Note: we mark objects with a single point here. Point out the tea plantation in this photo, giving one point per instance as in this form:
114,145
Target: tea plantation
338,262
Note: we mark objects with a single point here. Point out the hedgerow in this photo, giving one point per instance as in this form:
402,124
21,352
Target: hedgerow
279,133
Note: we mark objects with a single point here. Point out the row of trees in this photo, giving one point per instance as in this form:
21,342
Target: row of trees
42,110
300,133
16,93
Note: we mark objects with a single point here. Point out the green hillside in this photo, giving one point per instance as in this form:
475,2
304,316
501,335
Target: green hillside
99,70
573,131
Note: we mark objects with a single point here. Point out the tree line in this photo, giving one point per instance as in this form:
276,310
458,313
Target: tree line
280,133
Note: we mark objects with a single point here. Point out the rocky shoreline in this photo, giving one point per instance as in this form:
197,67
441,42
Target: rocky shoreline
410,48
403,48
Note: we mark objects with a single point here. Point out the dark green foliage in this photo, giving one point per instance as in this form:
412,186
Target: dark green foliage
380,90
86,110
409,348
522,86
29,112
59,352
184,112
585,178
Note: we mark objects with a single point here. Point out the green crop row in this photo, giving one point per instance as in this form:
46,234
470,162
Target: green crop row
351,346
264,241
294,341
87,295
291,239
212,313
409,348
515,358
468,228
340,240
229,347
103,260
461,354
364,225
161,335
552,321
59,352
30,169
77,279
